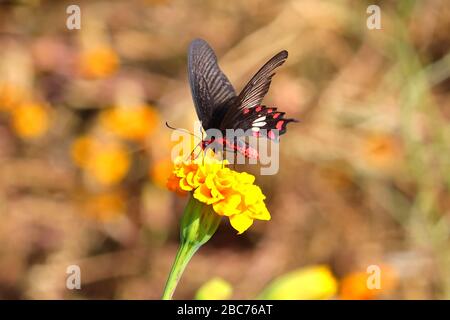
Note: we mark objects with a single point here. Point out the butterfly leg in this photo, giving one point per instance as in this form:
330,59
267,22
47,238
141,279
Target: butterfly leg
234,157
192,152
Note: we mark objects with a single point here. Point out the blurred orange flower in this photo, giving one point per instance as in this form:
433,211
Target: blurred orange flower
338,174
354,286
99,62
132,123
105,206
107,162
30,120
81,149
10,96
160,171
381,150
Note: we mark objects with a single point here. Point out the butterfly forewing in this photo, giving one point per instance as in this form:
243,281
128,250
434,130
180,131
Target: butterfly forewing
211,90
255,90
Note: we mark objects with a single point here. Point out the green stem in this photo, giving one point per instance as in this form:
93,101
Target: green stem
198,224
184,255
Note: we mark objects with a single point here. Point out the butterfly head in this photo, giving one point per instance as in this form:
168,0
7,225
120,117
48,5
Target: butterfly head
206,142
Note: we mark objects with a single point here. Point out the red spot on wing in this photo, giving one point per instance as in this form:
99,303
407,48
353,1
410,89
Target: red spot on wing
246,111
251,152
276,115
269,110
258,108
279,124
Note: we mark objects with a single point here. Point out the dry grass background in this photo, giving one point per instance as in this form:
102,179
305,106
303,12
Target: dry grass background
364,177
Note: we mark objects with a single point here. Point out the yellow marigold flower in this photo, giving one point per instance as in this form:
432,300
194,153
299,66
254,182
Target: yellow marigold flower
98,62
230,193
30,120
215,191
132,123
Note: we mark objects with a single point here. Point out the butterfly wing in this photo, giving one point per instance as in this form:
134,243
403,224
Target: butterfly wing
255,90
262,121
211,90
248,113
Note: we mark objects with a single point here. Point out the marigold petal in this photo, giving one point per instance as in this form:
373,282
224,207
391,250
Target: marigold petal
203,194
224,179
259,212
190,179
184,185
173,183
228,206
241,222
245,178
253,195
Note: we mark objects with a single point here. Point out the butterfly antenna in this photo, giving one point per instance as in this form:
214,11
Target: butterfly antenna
203,158
192,152
182,130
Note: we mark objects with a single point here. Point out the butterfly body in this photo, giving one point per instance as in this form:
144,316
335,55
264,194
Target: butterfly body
219,107
234,145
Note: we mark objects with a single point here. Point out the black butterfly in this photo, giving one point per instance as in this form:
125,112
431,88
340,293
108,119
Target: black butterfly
219,107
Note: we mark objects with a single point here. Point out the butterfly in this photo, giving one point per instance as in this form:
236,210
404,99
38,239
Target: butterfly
218,106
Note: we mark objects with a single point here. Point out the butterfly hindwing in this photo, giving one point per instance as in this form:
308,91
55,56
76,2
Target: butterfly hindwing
211,90
262,121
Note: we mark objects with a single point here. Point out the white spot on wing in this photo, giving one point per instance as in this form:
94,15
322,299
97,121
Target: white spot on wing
255,129
260,119
259,124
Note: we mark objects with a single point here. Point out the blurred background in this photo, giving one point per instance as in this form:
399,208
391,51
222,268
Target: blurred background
84,154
